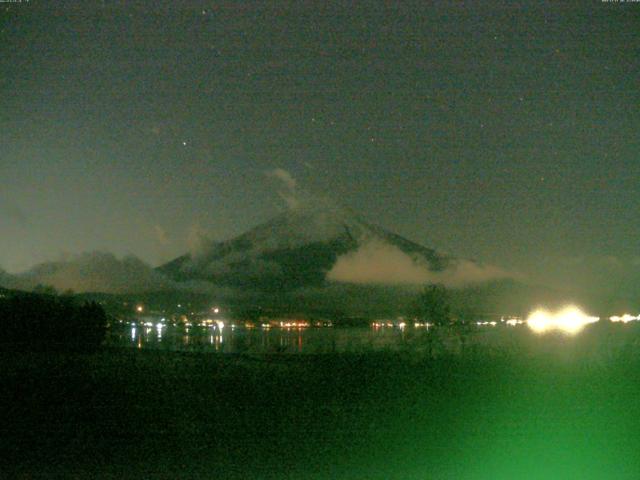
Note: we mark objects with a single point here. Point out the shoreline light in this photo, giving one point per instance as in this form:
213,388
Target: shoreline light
568,320
512,322
626,318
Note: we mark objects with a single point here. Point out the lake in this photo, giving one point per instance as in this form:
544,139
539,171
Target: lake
599,338
312,340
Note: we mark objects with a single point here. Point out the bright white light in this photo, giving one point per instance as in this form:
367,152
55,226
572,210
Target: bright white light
159,328
626,318
216,310
568,320
220,324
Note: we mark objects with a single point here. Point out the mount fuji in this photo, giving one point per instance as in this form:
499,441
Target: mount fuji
319,244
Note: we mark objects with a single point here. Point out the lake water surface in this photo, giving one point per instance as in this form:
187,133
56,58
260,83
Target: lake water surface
322,340
261,340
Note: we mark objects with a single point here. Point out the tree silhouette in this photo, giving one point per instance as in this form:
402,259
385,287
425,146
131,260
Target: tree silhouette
48,322
432,305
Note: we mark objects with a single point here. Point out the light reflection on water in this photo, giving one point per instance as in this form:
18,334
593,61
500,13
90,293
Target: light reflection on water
314,340
259,340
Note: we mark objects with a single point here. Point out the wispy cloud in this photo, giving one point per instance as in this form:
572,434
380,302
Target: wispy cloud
199,240
161,235
12,212
285,177
288,187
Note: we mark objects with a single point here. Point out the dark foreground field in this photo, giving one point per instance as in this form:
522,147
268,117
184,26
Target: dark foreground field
132,414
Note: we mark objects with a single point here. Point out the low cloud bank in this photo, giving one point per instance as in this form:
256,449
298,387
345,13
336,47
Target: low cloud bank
92,272
105,273
102,272
377,262
465,272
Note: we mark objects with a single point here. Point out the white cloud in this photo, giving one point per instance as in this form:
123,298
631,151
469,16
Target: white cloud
378,262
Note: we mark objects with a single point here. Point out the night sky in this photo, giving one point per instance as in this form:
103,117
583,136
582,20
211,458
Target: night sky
506,133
